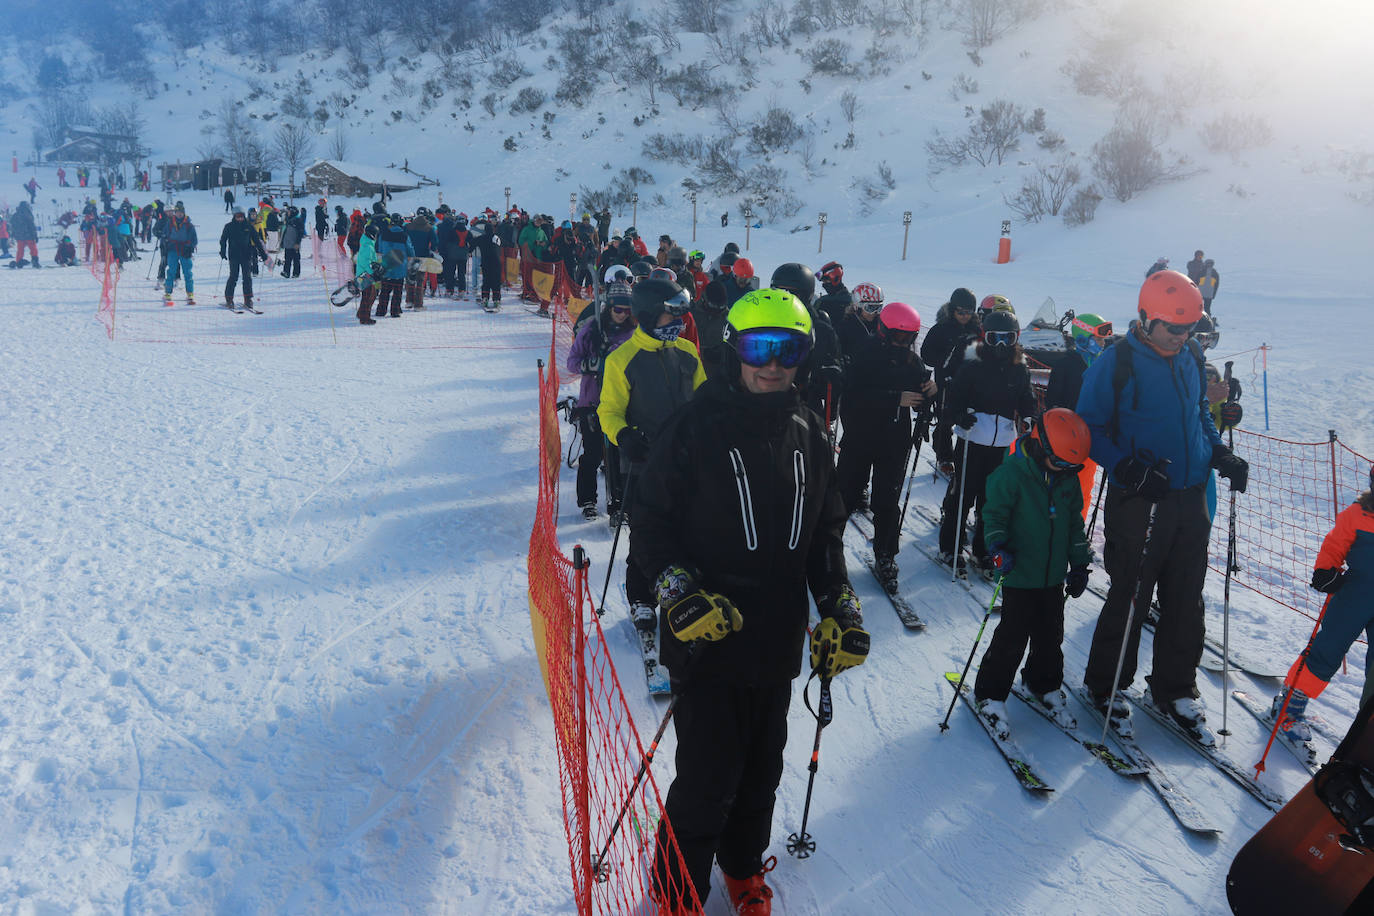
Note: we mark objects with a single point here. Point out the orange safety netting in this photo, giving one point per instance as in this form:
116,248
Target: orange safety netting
612,809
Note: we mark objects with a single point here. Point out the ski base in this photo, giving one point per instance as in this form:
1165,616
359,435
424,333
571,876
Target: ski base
1011,751
654,673
1117,764
1183,808
1304,751
1222,762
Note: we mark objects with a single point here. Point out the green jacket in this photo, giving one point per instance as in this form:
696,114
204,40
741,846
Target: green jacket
1039,519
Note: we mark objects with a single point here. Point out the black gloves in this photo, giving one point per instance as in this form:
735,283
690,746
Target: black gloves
966,420
1140,478
1077,581
1236,470
1328,580
1231,414
223,256
633,444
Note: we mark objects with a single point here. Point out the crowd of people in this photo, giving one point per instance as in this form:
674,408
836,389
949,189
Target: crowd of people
716,408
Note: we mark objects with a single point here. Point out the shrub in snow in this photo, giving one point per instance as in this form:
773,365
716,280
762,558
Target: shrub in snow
994,134
691,86
872,190
775,132
830,56
1127,160
528,99
1232,133
674,148
506,70
1045,190
1082,206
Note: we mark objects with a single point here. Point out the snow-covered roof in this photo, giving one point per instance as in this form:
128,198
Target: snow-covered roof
371,174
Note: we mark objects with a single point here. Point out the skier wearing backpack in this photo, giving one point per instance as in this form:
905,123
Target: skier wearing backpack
990,402
1344,571
737,518
1145,405
886,381
1033,522
597,339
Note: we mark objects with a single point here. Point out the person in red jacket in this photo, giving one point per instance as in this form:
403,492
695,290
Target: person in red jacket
1345,571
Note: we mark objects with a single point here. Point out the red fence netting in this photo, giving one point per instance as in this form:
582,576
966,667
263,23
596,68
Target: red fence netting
611,812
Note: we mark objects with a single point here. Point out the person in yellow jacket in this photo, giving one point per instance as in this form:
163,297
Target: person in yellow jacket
646,378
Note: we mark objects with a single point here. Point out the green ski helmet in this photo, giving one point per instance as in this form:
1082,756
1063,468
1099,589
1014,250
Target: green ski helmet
767,324
1087,326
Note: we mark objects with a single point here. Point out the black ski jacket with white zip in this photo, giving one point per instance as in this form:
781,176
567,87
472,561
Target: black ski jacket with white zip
741,488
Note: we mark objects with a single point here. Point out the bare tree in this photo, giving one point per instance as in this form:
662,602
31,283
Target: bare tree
338,144
1045,191
643,67
237,138
982,22
54,113
849,107
293,145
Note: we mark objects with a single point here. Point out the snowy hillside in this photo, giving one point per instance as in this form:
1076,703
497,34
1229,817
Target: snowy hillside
269,644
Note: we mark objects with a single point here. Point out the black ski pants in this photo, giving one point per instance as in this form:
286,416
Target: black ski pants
390,297
491,278
638,588
1175,561
291,262
1033,616
455,272
884,452
729,761
982,461
589,425
237,266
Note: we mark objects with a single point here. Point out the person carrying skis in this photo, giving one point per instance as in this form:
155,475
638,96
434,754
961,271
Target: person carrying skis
884,383
1033,523
737,517
1344,571
596,340
648,377
943,350
180,239
990,401
240,246
1145,405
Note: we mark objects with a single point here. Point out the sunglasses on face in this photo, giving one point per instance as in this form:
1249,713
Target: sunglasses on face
621,309
963,311
759,348
1179,329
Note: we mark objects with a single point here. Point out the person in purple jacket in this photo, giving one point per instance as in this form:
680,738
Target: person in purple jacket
597,338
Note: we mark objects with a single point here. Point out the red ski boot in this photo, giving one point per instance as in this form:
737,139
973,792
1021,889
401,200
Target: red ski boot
751,896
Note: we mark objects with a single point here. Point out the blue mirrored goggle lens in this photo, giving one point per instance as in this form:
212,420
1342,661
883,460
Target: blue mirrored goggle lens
759,348
1000,338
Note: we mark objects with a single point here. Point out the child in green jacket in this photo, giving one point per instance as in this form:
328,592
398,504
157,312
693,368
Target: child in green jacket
1033,526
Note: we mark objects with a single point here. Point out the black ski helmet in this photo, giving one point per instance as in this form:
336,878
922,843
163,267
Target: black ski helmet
797,279
1000,322
640,269
732,247
648,296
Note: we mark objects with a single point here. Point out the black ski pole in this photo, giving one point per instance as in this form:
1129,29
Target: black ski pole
944,724
959,517
1092,522
615,542
800,844
1130,618
1226,592
922,424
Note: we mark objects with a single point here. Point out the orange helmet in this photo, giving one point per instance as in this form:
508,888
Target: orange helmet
743,269
1064,437
1169,296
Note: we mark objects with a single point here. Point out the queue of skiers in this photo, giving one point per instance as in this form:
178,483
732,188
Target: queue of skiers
705,446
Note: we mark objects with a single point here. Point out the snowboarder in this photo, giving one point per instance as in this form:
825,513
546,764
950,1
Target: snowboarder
1345,571
66,253
292,231
990,401
943,350
240,246
1033,522
1143,400
597,339
32,187
885,382
488,246
366,263
646,379
732,574
180,239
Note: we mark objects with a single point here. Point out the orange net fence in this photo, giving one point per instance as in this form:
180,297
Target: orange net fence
612,809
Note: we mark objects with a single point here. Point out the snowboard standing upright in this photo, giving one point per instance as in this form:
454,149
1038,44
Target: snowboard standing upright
1316,855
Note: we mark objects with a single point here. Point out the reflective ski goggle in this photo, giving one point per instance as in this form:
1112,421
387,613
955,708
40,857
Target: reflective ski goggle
758,348
1059,464
678,305
1101,331
872,308
1000,338
1207,339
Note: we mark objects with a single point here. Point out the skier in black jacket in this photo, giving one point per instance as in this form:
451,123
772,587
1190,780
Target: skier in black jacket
885,381
240,246
321,220
836,298
821,387
732,565
956,326
991,402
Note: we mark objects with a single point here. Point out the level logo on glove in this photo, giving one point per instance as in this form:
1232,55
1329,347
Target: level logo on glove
704,616
839,642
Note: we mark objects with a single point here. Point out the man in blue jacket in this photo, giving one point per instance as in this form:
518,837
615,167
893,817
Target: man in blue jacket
1145,403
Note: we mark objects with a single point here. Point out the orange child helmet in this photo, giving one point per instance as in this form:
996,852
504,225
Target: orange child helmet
1169,296
1064,437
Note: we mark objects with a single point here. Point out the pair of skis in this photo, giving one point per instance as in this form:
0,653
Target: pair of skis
240,309
863,524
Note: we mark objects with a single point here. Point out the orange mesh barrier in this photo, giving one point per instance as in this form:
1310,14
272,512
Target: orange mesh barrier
611,803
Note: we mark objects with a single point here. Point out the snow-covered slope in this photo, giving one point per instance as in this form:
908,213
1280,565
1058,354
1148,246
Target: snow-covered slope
269,643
